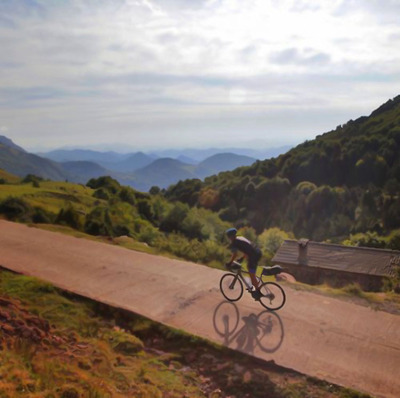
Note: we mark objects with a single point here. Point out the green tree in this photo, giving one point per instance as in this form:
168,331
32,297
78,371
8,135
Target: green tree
271,239
127,194
15,208
98,222
174,219
145,209
106,182
69,216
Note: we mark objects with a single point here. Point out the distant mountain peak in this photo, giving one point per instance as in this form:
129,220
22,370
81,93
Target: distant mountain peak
8,142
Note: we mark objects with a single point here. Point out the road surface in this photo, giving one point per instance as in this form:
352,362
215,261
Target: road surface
341,342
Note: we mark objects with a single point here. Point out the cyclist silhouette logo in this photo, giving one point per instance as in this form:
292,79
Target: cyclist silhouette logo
263,331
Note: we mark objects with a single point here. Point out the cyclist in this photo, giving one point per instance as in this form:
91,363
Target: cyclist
250,251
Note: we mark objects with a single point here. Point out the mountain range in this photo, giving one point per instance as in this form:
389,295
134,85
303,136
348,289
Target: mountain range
139,170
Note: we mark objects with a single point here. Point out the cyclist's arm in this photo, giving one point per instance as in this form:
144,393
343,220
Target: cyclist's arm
233,257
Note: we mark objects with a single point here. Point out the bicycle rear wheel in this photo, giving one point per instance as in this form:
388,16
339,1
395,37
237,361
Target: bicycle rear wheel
273,296
231,287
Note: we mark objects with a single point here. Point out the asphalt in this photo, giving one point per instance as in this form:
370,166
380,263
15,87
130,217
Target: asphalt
341,342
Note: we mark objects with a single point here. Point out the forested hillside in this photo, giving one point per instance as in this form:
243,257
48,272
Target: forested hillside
343,182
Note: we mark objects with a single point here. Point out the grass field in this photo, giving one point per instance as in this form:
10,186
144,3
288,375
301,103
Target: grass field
51,196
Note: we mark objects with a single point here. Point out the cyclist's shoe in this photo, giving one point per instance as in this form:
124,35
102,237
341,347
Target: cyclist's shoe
256,294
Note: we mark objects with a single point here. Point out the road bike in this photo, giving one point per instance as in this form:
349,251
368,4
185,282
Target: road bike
273,296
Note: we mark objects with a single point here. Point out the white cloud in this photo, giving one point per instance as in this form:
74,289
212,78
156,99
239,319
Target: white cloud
83,66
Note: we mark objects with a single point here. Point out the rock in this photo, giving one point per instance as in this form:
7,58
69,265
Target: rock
222,366
40,323
238,368
70,393
8,329
4,316
84,365
247,377
4,302
128,347
215,394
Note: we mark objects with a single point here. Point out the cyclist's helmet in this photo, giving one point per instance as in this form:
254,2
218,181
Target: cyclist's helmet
231,232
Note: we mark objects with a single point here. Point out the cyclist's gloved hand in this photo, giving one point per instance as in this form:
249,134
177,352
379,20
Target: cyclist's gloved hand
240,260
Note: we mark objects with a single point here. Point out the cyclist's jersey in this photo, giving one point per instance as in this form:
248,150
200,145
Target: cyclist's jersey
245,246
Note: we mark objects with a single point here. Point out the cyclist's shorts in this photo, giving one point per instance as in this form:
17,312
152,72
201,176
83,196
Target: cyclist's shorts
253,262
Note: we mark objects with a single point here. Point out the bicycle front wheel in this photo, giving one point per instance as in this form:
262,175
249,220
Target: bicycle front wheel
273,296
231,287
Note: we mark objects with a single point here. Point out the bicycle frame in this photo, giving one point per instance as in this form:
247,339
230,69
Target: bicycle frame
239,275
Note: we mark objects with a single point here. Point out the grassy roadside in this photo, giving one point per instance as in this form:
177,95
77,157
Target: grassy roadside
56,344
381,301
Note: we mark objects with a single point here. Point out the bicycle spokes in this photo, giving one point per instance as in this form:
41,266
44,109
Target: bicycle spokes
273,297
231,287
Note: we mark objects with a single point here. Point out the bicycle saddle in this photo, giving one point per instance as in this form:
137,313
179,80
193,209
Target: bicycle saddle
275,270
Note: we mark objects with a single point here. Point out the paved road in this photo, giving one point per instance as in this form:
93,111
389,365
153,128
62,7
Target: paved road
340,342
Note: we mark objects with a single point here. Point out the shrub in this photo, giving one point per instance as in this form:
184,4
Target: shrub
354,289
32,178
101,194
98,222
145,209
174,219
41,216
394,240
106,182
154,190
15,208
271,239
123,342
121,230
127,195
305,187
70,217
148,234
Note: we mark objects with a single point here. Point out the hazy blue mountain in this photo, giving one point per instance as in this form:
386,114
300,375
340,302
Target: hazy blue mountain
83,171
166,171
16,161
222,162
202,154
162,173
68,155
133,162
138,170
7,142
122,162
186,159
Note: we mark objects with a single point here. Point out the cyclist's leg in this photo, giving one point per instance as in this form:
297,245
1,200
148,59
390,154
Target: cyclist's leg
252,268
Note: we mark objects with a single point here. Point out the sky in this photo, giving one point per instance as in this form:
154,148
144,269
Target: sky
157,74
